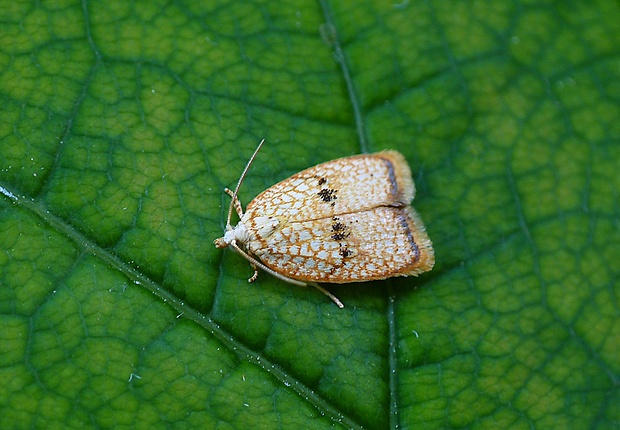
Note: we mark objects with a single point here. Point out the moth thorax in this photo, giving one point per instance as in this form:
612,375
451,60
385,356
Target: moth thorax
239,234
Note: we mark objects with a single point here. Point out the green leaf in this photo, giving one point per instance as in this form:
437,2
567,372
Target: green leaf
122,123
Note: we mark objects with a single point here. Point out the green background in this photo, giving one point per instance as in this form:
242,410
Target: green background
122,122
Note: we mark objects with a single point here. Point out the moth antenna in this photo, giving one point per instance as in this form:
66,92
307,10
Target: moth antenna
257,263
234,194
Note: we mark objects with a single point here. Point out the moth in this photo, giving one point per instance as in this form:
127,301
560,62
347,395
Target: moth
345,220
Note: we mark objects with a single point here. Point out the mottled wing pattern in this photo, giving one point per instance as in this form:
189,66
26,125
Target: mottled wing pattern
341,186
342,221
361,246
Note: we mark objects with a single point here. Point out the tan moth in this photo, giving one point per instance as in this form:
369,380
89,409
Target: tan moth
346,220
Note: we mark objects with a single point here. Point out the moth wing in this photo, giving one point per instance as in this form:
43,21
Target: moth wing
345,185
360,246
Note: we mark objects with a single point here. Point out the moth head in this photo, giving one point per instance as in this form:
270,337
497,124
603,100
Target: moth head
238,234
220,242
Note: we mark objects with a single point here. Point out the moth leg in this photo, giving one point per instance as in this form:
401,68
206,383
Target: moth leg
256,264
255,275
236,202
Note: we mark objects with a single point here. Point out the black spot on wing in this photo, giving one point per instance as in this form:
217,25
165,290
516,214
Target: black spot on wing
328,195
339,231
344,251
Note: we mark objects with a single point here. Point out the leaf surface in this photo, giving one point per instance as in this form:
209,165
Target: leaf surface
122,123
